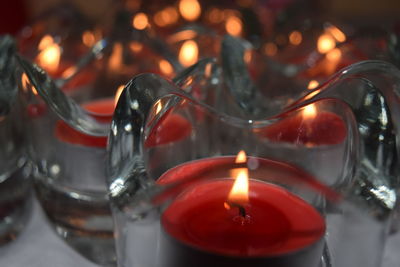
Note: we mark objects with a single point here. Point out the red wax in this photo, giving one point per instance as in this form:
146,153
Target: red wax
170,128
278,221
102,110
326,128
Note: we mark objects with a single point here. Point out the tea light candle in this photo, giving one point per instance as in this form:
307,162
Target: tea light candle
227,222
309,127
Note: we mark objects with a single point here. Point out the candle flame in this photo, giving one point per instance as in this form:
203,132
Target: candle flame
334,55
158,106
165,67
312,84
326,43
295,37
46,41
309,111
88,38
118,94
136,47
115,61
188,53
50,53
68,72
26,84
233,25
140,21
190,9
241,157
239,193
336,33
166,17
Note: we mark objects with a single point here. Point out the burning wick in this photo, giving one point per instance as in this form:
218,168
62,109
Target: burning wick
239,194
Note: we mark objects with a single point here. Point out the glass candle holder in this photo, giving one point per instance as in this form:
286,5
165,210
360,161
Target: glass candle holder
15,181
67,144
313,189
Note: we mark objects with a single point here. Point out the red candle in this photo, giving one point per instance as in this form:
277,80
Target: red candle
102,110
314,128
272,227
170,128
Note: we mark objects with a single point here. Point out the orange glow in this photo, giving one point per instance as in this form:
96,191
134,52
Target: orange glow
140,21
270,49
136,47
190,9
233,25
165,67
46,41
309,111
188,53
247,56
26,84
241,157
312,84
88,38
295,37
118,94
115,61
181,36
334,55
49,58
336,33
68,72
326,43
166,17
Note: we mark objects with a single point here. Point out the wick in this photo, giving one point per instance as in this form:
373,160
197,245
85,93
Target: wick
242,211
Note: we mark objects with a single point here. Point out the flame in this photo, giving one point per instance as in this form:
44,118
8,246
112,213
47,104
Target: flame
190,9
118,94
46,41
26,84
336,33
166,17
334,55
326,43
49,57
233,25
115,61
312,84
165,67
270,49
309,111
88,38
188,53
140,21
182,36
68,72
241,157
136,47
295,37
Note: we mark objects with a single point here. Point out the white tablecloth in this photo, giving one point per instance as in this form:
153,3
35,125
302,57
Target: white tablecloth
39,246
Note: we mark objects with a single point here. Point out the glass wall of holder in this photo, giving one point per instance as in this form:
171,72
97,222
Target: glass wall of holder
15,182
314,184
67,145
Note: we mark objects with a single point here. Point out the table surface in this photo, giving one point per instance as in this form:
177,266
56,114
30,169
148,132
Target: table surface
39,246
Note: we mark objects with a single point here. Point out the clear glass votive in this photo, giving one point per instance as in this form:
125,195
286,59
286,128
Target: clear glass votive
15,181
313,161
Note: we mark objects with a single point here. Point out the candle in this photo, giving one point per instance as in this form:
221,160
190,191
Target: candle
217,223
308,127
